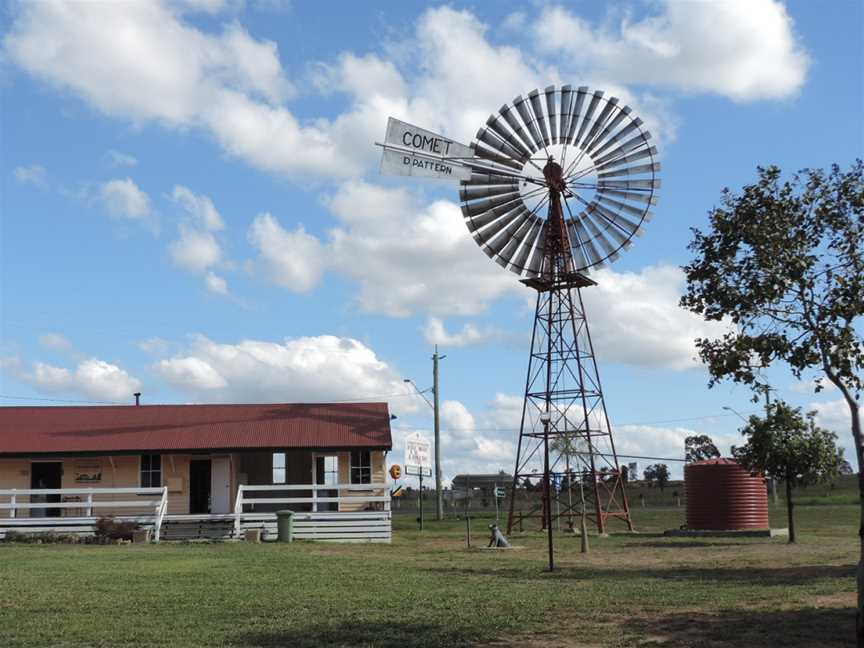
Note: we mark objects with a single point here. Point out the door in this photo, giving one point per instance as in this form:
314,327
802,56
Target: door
46,474
327,474
199,486
220,485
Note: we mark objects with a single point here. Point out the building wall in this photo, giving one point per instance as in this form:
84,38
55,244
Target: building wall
124,472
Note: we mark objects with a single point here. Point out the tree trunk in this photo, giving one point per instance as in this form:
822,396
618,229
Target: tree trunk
789,506
859,454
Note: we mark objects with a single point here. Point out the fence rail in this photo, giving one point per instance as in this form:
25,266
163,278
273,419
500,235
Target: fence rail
85,522
374,524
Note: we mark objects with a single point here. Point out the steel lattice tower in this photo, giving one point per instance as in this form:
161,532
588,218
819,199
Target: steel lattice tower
563,380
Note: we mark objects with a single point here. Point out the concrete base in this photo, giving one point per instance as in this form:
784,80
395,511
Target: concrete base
742,533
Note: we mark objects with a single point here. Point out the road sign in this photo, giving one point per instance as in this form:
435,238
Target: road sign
499,492
395,471
413,151
418,455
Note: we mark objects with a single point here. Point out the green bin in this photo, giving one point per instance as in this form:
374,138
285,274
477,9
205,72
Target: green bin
285,526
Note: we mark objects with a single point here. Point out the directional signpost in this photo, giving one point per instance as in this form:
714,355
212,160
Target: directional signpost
418,461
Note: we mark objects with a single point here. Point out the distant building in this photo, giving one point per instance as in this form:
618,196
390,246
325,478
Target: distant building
480,485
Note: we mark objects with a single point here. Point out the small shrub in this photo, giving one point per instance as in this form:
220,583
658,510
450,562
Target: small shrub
109,528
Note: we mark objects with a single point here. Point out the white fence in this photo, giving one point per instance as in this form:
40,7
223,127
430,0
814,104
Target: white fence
333,512
367,520
79,509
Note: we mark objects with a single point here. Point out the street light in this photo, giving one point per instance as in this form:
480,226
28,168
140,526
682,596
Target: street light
736,412
545,417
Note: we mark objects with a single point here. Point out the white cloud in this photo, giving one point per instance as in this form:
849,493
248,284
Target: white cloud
435,333
92,378
635,319
154,345
195,250
216,284
293,260
118,159
318,368
409,257
55,342
834,415
123,198
34,174
200,207
743,49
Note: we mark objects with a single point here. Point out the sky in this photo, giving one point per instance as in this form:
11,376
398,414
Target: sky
192,205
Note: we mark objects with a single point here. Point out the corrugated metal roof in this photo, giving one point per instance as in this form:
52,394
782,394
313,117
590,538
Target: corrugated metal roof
35,430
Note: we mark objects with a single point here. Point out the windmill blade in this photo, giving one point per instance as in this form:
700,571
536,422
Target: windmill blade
550,111
581,92
505,255
482,151
566,107
507,234
497,126
483,191
518,128
539,115
490,139
491,179
478,207
598,238
527,245
623,222
647,198
477,223
591,253
649,152
628,171
592,107
639,140
576,247
522,108
537,255
630,184
641,214
620,115
490,233
605,115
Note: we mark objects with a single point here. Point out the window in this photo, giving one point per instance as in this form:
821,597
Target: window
361,467
279,474
151,471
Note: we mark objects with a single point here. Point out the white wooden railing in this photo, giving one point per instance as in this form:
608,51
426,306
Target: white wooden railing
153,509
362,515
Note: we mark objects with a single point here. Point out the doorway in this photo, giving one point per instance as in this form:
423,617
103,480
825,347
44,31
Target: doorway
327,474
199,486
46,474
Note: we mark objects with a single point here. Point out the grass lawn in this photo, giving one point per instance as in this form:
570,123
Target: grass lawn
429,590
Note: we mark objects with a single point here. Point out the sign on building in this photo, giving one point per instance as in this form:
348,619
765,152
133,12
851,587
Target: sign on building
418,455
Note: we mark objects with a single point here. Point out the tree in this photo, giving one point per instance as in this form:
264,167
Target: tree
786,446
783,263
658,474
699,447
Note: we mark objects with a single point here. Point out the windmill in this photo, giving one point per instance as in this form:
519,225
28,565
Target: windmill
555,185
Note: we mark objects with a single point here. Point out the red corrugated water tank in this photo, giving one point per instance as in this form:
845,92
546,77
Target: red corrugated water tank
722,495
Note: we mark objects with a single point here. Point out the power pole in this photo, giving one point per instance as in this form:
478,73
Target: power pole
439,495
